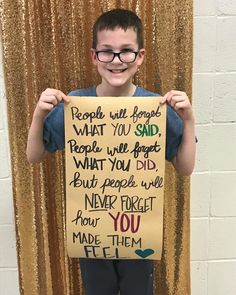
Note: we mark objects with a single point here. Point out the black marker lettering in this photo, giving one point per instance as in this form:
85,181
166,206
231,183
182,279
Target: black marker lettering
76,114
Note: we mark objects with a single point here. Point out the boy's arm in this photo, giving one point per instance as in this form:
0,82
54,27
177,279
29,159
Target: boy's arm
185,158
49,99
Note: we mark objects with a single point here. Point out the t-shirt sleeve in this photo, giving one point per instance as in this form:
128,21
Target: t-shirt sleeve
53,130
174,132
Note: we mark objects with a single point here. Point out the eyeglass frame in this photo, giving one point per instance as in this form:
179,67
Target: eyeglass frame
116,54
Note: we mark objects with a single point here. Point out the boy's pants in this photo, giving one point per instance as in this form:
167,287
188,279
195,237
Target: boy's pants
108,277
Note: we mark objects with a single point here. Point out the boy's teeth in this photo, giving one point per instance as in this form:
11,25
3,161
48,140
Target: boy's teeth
116,71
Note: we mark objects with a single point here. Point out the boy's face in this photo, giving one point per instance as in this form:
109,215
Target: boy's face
117,73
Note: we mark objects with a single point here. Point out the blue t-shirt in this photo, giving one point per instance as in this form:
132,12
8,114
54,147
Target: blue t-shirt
54,134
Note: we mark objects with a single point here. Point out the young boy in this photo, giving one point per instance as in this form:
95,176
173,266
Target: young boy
117,53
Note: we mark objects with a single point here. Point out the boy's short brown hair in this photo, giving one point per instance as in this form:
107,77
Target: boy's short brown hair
118,18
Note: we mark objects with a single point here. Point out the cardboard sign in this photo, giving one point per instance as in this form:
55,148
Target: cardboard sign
115,160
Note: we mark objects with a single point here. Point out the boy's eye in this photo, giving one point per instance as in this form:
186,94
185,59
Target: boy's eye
107,50
122,50
127,50
106,53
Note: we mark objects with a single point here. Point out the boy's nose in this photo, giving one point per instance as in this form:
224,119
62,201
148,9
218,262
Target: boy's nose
117,59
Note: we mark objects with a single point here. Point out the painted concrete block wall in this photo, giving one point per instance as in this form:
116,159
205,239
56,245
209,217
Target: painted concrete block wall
8,259
213,185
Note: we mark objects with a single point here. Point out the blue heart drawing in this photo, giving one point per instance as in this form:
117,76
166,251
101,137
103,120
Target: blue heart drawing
144,253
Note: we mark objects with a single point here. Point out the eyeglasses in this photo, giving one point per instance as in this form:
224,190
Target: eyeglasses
124,56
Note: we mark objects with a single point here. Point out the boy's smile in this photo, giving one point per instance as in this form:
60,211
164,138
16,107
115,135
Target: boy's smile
117,75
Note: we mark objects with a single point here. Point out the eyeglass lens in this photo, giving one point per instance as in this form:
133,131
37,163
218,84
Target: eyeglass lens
108,56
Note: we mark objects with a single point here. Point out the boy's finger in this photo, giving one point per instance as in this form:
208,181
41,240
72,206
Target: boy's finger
180,105
66,99
164,99
52,99
61,95
177,98
177,92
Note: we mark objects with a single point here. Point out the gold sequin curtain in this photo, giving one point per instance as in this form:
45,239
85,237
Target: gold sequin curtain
46,43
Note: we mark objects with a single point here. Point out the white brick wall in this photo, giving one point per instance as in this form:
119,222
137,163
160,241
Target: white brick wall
213,187
8,260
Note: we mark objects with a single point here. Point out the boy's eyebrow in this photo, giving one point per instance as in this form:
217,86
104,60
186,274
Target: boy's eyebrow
122,46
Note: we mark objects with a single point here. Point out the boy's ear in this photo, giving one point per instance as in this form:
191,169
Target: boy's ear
141,55
93,56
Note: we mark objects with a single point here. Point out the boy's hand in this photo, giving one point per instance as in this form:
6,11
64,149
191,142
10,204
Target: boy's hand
49,99
179,101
